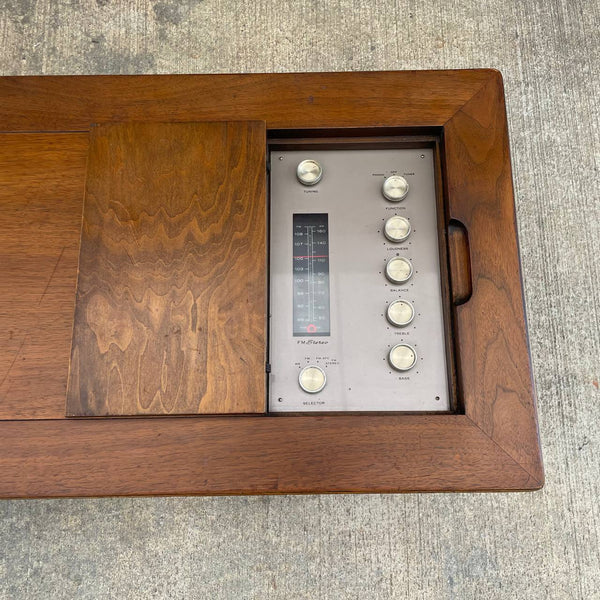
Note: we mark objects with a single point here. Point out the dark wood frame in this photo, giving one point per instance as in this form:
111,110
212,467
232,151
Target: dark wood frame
494,445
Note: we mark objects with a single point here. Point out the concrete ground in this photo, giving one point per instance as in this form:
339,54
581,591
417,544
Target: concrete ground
534,545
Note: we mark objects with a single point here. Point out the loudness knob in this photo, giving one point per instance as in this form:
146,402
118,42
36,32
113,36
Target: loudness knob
402,357
395,188
396,229
398,269
309,172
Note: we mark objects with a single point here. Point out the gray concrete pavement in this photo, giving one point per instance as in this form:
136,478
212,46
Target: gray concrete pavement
492,546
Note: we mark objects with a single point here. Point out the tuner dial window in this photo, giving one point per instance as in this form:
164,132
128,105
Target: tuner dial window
397,229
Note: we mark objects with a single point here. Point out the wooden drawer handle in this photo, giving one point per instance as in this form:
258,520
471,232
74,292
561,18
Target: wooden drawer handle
460,262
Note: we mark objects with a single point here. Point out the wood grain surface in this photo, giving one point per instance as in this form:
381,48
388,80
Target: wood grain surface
170,314
493,348
41,190
460,263
283,100
241,455
494,445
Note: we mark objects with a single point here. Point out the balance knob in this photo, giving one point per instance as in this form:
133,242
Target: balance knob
398,269
397,229
309,172
312,379
395,188
402,357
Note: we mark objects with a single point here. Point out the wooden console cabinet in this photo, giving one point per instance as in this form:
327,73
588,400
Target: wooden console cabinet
184,410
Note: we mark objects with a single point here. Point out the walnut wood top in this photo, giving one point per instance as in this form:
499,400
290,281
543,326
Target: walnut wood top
170,315
493,446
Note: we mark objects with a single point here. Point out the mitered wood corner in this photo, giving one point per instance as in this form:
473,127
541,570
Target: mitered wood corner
492,444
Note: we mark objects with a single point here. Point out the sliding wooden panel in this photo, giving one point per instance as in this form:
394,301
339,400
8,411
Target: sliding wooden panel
170,309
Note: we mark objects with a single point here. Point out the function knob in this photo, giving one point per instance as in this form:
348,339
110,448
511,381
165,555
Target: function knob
400,313
395,188
309,172
402,357
396,229
398,269
312,379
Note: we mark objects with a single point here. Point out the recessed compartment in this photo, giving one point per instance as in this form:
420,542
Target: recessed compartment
356,293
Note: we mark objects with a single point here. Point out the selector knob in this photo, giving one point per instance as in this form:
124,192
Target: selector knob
396,229
400,313
402,357
312,379
309,172
395,188
398,269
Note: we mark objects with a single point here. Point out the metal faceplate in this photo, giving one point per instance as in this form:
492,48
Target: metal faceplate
329,292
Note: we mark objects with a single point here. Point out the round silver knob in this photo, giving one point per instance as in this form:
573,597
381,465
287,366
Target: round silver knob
400,313
309,172
398,269
312,379
395,188
396,229
402,357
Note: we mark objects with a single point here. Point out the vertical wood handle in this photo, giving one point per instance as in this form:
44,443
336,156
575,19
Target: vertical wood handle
460,262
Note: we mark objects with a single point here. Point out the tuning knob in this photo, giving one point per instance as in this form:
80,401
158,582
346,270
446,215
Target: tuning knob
395,188
309,172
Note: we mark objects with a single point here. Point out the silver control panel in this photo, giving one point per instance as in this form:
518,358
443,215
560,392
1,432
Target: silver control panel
356,320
